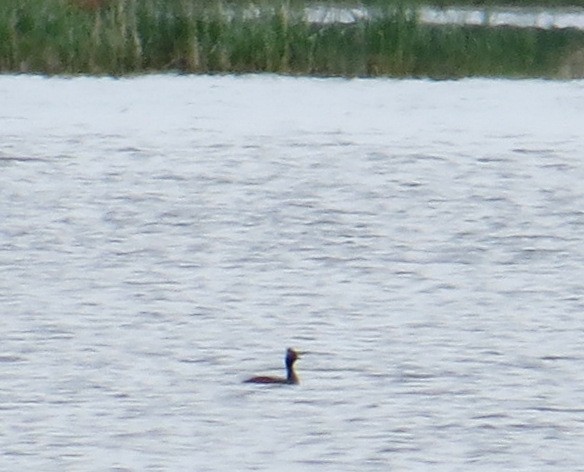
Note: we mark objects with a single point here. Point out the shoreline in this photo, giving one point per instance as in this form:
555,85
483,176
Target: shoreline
292,38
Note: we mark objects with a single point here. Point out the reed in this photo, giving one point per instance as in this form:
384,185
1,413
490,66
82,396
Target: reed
117,37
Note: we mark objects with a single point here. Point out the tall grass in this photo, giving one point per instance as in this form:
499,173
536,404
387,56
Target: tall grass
196,36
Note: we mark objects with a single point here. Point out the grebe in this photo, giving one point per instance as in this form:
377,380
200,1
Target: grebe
291,377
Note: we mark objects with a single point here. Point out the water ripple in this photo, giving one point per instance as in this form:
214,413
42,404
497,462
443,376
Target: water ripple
425,258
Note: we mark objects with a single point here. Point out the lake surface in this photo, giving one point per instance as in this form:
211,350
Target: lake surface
521,17
162,238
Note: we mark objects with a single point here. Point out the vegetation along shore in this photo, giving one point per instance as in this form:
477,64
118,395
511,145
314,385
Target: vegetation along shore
120,37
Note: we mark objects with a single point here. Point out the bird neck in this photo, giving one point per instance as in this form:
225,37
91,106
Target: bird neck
291,378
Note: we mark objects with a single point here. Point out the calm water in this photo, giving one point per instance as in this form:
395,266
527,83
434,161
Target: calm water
524,17
162,238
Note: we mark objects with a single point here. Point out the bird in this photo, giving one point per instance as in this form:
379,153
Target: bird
291,377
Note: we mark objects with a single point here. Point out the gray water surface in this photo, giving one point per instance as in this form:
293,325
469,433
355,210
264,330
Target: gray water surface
485,15
162,238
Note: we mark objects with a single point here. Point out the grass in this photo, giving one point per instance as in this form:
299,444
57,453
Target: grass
192,36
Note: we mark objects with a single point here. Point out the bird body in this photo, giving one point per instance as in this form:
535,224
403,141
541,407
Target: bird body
291,377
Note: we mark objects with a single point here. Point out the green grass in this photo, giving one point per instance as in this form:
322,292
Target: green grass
141,36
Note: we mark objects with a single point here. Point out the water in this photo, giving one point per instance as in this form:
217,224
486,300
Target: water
521,17
164,237
545,18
